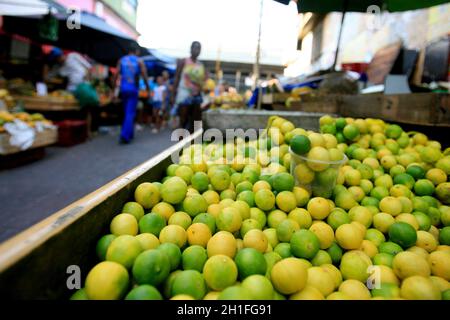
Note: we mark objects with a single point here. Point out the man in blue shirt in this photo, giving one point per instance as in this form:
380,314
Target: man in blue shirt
130,68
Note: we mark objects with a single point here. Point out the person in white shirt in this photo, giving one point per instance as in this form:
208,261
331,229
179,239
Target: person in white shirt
75,68
159,103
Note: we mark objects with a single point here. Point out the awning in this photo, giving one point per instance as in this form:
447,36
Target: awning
95,37
28,7
156,62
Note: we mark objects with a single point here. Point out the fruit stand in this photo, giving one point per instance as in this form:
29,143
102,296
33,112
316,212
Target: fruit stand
257,119
45,134
359,213
33,264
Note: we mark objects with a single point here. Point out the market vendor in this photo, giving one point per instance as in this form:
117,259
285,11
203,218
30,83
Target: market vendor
73,66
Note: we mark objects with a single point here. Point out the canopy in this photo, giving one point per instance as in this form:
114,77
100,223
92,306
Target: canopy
156,62
27,7
95,37
326,6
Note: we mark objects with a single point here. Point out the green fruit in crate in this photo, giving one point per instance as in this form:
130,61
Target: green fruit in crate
280,231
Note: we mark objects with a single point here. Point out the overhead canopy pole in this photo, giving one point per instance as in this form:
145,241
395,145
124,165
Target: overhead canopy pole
258,54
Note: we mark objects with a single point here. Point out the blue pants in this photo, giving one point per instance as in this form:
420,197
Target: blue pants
130,101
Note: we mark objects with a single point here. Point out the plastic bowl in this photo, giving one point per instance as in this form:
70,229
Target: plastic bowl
318,177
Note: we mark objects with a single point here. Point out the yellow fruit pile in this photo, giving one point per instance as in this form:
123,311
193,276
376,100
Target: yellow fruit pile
29,119
229,221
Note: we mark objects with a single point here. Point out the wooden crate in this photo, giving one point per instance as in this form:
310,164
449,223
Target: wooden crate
416,108
270,98
313,103
42,139
33,264
47,103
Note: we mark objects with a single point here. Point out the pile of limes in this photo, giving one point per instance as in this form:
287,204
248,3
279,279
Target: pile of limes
229,221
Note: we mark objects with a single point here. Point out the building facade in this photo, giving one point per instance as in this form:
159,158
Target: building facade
363,35
120,14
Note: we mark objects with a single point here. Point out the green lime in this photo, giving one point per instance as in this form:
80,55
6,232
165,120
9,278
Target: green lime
200,181
420,204
258,215
102,246
337,218
423,187
243,186
260,287
173,252
403,234
300,144
135,209
393,131
235,293
404,179
340,124
236,178
417,172
423,220
151,267
370,201
171,169
247,196
80,294
351,132
446,295
304,244
220,272
152,223
249,224
387,291
194,258
390,248
282,181
271,259
250,261
124,250
283,249
228,194
379,192
144,292
444,236
286,229
322,257
384,259
189,282
207,219
435,216
250,176
335,253
195,204
375,236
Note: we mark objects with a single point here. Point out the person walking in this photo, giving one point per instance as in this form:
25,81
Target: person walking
189,80
159,103
130,68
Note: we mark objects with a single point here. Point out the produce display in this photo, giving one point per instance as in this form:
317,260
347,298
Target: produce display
29,119
228,100
6,97
258,227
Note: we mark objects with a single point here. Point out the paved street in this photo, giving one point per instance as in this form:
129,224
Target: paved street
34,191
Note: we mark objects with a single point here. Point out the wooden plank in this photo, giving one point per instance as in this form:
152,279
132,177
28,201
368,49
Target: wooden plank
47,103
33,264
416,108
43,138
